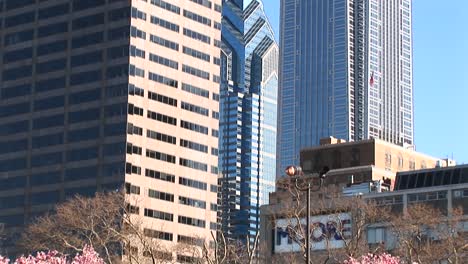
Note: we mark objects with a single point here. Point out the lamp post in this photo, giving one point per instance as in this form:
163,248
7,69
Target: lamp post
308,187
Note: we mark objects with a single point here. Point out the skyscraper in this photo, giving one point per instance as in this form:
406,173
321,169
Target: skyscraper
99,94
346,71
248,110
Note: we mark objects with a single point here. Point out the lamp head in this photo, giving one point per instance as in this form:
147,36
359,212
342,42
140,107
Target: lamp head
293,171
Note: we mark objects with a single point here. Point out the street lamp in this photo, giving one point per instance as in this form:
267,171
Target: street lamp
293,171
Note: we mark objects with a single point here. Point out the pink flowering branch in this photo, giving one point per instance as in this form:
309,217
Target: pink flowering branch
88,256
374,259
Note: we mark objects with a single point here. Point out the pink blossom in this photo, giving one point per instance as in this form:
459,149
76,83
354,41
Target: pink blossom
375,259
89,256
4,260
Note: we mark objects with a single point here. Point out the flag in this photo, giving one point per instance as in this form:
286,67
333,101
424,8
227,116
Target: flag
371,81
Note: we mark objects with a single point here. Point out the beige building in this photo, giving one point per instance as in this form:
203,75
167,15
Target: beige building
95,95
362,161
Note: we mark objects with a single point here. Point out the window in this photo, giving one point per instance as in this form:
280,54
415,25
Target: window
164,80
85,96
113,149
85,77
166,5
53,29
45,178
195,90
162,118
16,109
165,24
86,4
13,164
129,188
52,47
119,14
48,159
138,14
83,134
119,33
135,52
117,71
159,215
14,128
88,21
50,121
213,207
135,71
115,129
196,54
162,98
198,18
50,66
134,90
194,127
157,234
213,188
160,156
194,108
15,91
135,110
160,175
164,61
13,4
214,151
161,195
9,146
193,164
88,40
191,241
17,73
191,221
136,33
193,145
133,129
192,202
164,42
115,110
204,3
195,72
87,58
160,136
198,36
16,55
193,183
49,103
50,84
82,154
18,37
132,169
53,11
133,149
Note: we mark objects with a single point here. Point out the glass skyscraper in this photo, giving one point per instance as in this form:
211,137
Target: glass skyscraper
346,71
101,94
249,86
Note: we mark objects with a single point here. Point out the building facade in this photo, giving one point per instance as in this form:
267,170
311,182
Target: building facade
249,82
363,161
345,71
100,94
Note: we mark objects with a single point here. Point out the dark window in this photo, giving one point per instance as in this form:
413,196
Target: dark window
192,202
117,90
195,90
85,96
196,54
166,5
13,164
164,61
53,65
87,40
194,127
162,98
48,159
160,156
14,128
161,195
47,140
53,11
193,183
49,103
117,71
119,33
17,37
161,79
88,191
113,149
17,73
16,55
117,52
205,3
160,136
91,133
53,29
15,91
50,121
13,145
119,14
129,188
81,173
198,18
159,215
50,84
191,221
16,109
160,175
12,4
198,36
134,130
158,234
115,110
12,183
82,154
137,33
193,164
20,19
52,47
12,202
164,42
134,90
164,23
195,108
115,129
132,169
86,58
162,118
85,77
45,178
45,198
116,169
88,21
193,145
195,72
86,4
84,115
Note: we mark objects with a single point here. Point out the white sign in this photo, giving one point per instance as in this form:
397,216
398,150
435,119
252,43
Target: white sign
327,231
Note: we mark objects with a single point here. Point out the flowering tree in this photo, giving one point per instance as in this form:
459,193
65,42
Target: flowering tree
374,259
88,256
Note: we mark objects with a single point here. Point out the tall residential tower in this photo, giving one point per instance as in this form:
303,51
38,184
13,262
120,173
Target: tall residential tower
346,71
98,94
249,87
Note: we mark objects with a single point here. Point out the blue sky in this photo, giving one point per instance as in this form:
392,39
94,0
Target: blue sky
440,49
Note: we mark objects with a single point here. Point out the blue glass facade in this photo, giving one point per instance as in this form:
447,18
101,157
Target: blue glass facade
340,65
248,118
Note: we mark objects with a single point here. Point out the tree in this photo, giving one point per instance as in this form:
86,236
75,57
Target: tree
425,235
88,256
108,222
374,259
